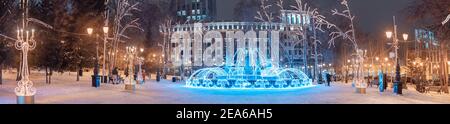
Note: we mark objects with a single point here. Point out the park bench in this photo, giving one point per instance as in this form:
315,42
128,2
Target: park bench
437,89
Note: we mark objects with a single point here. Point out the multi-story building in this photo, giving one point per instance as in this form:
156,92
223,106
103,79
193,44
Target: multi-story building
426,53
196,10
201,14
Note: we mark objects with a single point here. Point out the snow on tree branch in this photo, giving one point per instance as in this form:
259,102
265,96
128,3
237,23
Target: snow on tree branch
337,32
446,20
10,38
280,3
264,14
40,22
124,18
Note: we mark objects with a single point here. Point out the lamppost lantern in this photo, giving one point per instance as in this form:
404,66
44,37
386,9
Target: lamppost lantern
405,37
105,30
90,31
389,34
142,50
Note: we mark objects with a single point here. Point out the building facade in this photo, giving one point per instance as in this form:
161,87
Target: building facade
293,26
196,10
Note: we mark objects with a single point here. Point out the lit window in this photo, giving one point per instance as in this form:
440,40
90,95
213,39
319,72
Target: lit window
294,19
289,19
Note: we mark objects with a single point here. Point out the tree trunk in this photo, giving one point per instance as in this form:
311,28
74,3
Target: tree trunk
50,76
1,74
305,54
316,59
78,73
46,75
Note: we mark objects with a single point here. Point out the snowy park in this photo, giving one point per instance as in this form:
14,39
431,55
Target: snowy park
65,90
224,52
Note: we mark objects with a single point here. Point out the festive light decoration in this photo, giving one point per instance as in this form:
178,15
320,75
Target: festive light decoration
248,74
130,83
140,78
25,42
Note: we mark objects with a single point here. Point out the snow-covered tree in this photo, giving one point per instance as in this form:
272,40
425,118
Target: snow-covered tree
304,8
165,28
349,35
298,38
122,15
265,13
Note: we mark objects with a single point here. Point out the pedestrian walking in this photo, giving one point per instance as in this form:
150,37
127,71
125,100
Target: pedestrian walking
328,79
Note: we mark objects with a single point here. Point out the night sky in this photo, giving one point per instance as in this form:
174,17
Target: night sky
374,16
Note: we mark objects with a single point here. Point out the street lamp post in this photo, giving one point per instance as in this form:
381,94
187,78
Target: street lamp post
397,83
386,60
164,61
347,74
96,66
105,40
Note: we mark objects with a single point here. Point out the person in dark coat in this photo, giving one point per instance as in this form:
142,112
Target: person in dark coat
115,71
115,75
126,72
328,79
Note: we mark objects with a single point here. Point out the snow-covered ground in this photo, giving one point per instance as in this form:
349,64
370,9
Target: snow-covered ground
65,90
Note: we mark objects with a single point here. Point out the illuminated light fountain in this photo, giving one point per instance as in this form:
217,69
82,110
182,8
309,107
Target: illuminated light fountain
249,74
